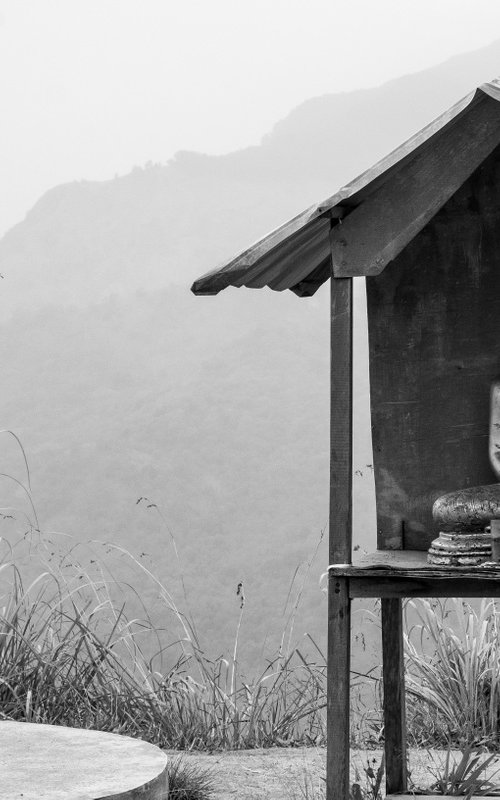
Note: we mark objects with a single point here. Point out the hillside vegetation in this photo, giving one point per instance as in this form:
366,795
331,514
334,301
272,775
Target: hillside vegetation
122,385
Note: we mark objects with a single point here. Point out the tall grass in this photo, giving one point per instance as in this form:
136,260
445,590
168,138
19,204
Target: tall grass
78,646
469,775
70,655
453,672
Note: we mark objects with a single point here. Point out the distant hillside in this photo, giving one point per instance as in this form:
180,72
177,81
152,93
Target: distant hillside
167,224
121,384
221,421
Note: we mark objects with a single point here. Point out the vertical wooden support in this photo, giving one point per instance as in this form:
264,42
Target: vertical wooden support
339,604
394,695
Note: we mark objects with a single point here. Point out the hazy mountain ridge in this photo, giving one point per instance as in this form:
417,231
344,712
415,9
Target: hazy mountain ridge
122,384
170,223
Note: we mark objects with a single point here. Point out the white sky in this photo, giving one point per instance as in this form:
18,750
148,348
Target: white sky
88,88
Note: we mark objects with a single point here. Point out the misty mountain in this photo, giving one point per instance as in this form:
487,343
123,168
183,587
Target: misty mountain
121,384
165,224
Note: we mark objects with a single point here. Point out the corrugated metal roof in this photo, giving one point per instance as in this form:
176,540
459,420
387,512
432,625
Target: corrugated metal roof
297,255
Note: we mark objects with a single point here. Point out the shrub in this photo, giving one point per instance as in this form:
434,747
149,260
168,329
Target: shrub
189,782
452,672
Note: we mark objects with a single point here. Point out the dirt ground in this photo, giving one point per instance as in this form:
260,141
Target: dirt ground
286,773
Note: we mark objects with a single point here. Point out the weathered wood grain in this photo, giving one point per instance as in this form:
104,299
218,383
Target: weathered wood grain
396,559
412,562
427,796
434,329
394,695
376,232
341,421
272,260
338,692
407,574
339,604
417,586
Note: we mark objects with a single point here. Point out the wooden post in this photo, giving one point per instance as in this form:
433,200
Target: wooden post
339,604
394,694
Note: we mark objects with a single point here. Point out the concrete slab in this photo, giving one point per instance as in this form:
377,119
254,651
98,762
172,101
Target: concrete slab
48,762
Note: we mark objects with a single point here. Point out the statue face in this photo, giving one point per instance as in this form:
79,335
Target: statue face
495,428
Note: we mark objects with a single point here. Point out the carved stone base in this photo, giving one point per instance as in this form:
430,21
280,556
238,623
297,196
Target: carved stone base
462,549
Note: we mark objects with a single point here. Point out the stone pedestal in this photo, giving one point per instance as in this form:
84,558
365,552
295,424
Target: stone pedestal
452,549
463,519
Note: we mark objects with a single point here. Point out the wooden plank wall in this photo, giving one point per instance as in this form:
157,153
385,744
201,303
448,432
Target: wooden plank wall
434,328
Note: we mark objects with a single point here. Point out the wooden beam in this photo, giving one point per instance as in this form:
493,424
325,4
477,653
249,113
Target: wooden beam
394,695
381,226
338,686
426,796
415,794
341,421
269,250
422,587
339,604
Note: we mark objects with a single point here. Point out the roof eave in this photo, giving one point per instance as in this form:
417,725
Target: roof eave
294,255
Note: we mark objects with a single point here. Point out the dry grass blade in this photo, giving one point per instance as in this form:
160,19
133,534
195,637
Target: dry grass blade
452,657
188,782
470,776
23,452
26,491
70,655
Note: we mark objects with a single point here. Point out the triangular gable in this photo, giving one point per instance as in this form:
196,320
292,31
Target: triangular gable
368,222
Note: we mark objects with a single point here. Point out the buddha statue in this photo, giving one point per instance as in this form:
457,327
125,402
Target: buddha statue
464,517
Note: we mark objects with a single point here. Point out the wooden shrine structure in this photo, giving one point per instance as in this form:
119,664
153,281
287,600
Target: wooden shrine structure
423,228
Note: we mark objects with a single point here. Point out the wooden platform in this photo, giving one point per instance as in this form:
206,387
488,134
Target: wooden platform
412,796
48,762
406,573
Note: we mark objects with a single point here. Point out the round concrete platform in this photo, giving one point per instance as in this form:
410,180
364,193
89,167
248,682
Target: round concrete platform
48,762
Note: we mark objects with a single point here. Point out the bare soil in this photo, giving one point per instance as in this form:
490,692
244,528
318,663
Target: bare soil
286,773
